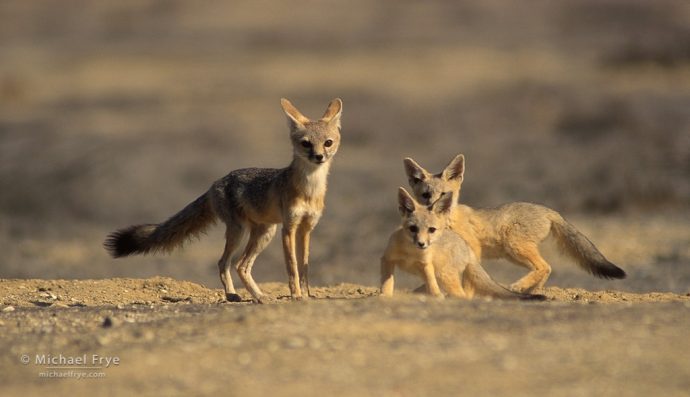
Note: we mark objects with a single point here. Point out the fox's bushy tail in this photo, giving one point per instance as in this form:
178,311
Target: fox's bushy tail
483,284
163,237
577,245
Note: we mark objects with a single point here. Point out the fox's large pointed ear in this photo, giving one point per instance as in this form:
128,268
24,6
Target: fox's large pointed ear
296,120
455,170
443,204
414,171
406,204
333,112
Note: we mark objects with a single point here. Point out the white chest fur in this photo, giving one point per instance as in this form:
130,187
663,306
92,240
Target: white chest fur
313,181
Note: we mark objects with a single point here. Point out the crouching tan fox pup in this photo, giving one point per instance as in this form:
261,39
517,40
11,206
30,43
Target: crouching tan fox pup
512,231
426,247
254,201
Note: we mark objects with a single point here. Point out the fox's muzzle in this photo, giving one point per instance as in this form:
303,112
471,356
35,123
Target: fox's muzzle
317,158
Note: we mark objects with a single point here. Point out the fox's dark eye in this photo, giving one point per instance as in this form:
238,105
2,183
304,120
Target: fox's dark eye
416,180
426,195
432,230
414,229
306,144
328,143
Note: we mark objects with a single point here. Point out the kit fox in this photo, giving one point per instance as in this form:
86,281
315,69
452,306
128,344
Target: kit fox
512,231
254,201
426,247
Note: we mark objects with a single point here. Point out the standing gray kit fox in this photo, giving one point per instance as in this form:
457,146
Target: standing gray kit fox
425,246
512,231
254,201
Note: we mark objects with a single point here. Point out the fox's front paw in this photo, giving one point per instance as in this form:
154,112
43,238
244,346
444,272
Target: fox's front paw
298,298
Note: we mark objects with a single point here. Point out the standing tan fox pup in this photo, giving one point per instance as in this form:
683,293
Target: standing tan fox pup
254,201
426,247
512,231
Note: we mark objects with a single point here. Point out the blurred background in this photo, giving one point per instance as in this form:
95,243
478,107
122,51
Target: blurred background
122,112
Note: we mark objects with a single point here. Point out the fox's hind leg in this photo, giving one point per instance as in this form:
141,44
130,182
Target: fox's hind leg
527,255
233,237
449,281
259,237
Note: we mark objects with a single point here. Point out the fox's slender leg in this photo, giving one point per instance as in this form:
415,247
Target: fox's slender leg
264,235
233,237
259,237
387,277
289,243
467,285
431,283
475,245
304,233
528,255
449,280
225,277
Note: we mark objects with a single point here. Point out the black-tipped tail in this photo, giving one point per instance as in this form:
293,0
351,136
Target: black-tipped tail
128,241
578,246
608,270
150,238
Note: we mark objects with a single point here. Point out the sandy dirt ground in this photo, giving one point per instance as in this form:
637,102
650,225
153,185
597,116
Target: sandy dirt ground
168,337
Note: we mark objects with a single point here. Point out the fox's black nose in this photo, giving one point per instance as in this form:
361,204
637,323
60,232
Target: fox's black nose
318,157
421,244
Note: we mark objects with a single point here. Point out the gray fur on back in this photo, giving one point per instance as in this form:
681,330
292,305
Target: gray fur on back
246,185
